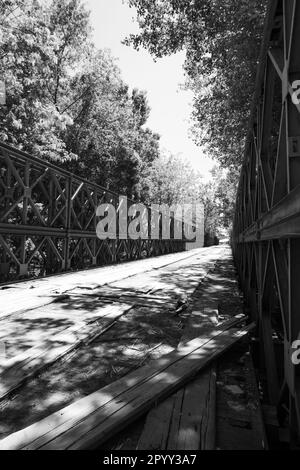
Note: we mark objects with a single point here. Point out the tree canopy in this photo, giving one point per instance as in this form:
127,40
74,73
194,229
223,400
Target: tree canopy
39,46
66,100
221,39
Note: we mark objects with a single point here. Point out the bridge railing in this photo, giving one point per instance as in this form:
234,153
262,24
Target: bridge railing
266,234
48,221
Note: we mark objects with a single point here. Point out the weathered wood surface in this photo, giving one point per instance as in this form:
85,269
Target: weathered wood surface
15,371
20,302
19,297
36,338
138,300
93,419
71,315
186,420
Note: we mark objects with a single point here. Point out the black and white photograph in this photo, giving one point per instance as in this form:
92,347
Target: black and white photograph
149,229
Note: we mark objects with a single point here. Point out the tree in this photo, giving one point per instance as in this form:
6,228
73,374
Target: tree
66,101
42,44
172,181
108,133
222,42
218,197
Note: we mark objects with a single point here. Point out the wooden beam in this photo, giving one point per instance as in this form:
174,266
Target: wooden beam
282,221
92,420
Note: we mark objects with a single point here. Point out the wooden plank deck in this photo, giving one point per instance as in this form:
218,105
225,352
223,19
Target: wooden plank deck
90,421
186,414
27,295
36,338
186,420
188,417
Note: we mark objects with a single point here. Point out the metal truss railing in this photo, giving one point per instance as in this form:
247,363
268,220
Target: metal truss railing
266,235
48,221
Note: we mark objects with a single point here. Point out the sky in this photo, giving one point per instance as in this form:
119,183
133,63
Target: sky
112,21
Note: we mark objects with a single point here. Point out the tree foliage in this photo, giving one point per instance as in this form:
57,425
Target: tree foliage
65,100
171,181
222,42
218,197
38,46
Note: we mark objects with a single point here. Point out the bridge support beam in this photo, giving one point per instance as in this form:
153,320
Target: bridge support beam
266,236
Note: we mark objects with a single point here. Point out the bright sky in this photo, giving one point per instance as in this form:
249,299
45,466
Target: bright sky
112,21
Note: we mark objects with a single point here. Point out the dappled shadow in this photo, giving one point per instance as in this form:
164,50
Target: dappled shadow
143,333
22,334
127,397
230,303
22,331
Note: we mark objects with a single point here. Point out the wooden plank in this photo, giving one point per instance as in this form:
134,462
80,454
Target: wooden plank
25,366
109,290
92,420
175,419
208,435
155,434
137,300
195,429
186,420
96,429
21,302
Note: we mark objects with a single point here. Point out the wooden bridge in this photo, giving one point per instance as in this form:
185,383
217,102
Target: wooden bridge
48,221
87,323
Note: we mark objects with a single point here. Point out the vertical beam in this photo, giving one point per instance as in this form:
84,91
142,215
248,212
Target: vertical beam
23,266
266,295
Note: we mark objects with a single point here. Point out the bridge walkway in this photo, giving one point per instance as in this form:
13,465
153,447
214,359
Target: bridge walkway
90,329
